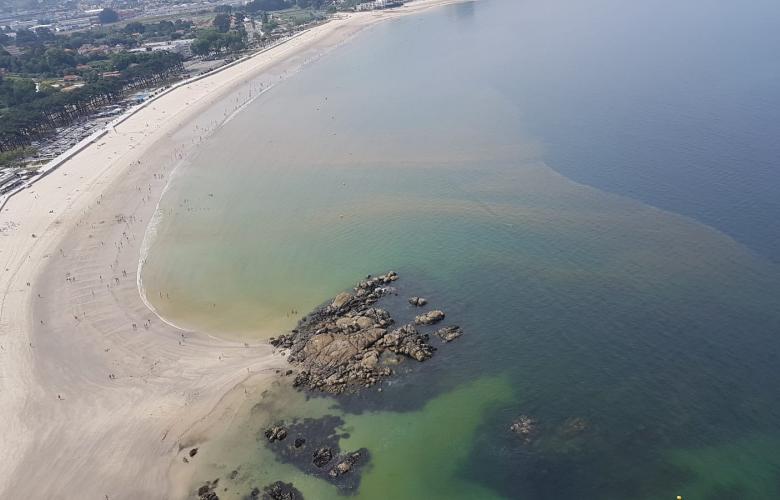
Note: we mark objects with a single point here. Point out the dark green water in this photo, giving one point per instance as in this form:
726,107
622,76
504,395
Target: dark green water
432,146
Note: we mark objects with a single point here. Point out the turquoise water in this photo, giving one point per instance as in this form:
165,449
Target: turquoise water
446,147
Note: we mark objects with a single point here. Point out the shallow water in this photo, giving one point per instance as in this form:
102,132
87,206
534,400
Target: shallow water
412,150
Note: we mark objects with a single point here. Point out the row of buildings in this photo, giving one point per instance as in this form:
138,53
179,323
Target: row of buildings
378,5
64,18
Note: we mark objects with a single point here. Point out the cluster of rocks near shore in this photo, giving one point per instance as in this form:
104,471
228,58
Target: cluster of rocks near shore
274,491
278,491
312,445
343,346
350,343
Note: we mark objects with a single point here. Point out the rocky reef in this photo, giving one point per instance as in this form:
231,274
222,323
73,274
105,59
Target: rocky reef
345,345
206,492
565,438
312,445
341,346
449,333
418,301
279,491
429,318
524,427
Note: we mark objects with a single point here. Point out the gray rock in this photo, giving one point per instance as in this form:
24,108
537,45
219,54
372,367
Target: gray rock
370,360
449,333
525,427
418,301
276,433
206,492
341,300
338,347
279,491
429,318
344,466
409,342
322,456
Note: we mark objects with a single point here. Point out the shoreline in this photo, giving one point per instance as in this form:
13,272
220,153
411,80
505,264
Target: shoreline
96,390
157,93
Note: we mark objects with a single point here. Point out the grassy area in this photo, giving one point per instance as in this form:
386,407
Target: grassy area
298,16
15,157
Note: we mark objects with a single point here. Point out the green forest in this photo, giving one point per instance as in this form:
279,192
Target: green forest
30,107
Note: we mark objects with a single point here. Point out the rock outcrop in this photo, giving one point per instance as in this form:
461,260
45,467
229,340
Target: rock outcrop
347,344
340,346
206,492
429,318
276,433
345,465
418,301
449,333
279,491
321,457
525,427
408,342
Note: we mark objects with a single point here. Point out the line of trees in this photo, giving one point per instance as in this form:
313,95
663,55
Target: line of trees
26,38
212,41
27,114
107,16
263,5
222,22
256,6
161,29
45,61
125,37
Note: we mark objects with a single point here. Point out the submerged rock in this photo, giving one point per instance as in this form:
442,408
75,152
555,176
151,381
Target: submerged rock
276,433
206,492
316,451
280,491
525,427
322,456
418,301
429,318
573,427
345,465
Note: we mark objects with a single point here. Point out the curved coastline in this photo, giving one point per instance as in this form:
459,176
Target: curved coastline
95,391
151,229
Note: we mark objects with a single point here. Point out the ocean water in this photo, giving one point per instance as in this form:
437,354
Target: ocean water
589,190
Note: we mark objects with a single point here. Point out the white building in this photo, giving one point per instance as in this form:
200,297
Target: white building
378,4
182,47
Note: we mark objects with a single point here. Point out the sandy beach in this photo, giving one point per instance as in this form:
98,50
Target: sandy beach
98,395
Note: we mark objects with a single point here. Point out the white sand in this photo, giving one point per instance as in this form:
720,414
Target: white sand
91,406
